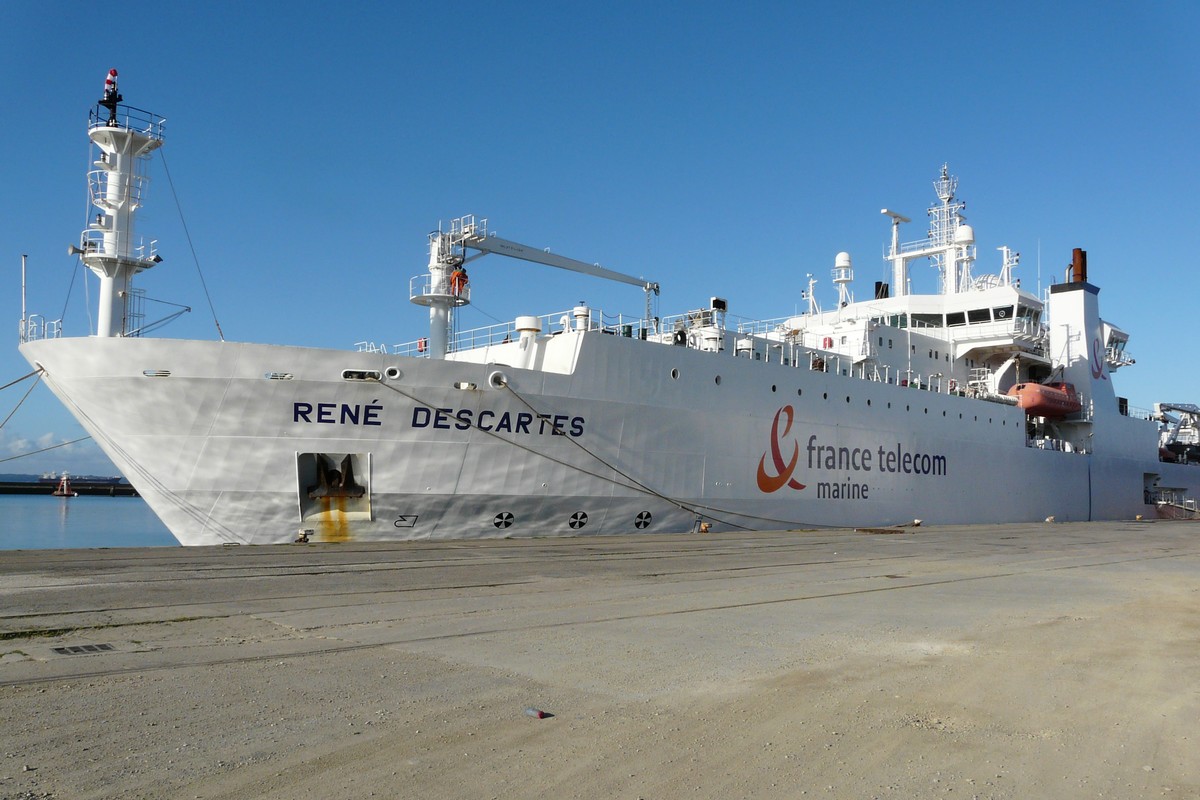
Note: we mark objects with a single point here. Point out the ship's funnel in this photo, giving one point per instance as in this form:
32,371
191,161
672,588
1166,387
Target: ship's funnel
1079,265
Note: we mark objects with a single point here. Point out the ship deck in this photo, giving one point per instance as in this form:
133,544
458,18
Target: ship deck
985,661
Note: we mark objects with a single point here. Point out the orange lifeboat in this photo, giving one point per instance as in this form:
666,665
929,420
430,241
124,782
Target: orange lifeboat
1051,400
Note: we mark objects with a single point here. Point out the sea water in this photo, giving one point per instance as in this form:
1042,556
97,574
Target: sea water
42,521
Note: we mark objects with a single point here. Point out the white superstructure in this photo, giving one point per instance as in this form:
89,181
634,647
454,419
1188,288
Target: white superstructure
875,412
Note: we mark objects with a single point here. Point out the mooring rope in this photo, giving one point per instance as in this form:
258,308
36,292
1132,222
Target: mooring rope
628,482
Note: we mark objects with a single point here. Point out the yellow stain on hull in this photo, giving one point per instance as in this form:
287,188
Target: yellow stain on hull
332,524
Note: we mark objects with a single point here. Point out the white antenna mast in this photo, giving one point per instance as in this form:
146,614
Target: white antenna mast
24,318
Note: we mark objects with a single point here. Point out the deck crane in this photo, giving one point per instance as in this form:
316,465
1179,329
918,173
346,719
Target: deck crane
1181,436
445,286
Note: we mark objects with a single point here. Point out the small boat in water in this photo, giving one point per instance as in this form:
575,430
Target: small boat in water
1050,400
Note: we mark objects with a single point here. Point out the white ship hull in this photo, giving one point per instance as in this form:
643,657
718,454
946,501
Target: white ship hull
876,413
217,448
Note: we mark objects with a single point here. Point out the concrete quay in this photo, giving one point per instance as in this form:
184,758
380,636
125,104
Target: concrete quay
1014,661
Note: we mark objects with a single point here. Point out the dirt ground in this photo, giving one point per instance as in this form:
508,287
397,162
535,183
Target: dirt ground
1049,661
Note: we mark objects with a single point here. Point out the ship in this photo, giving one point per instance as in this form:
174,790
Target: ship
873,412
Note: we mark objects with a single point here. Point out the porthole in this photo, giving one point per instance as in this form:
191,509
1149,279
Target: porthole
674,374
773,387
824,395
908,408
868,402
927,411
718,380
847,398
889,404
943,413
799,393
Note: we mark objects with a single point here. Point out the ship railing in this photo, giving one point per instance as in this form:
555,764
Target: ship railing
506,332
424,286
1140,413
935,382
1117,357
788,325
1173,497
761,327
1017,328
700,318
1050,443
95,241
106,192
35,327
918,246
792,353
130,118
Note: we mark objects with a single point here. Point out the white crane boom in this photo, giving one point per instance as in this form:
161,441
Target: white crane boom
481,241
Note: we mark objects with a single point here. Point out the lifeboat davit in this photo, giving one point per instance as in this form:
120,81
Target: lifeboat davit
1052,400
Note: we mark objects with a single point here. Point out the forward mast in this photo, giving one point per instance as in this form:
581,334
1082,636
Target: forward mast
122,138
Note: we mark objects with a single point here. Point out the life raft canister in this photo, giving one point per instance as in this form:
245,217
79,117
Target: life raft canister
422,344
827,342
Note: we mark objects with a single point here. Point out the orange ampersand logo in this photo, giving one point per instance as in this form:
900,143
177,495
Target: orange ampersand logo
1097,361
783,472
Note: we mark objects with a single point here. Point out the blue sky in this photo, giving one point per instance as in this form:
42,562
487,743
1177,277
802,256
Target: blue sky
719,148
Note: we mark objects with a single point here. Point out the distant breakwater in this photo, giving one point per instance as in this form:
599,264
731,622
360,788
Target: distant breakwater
83,487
